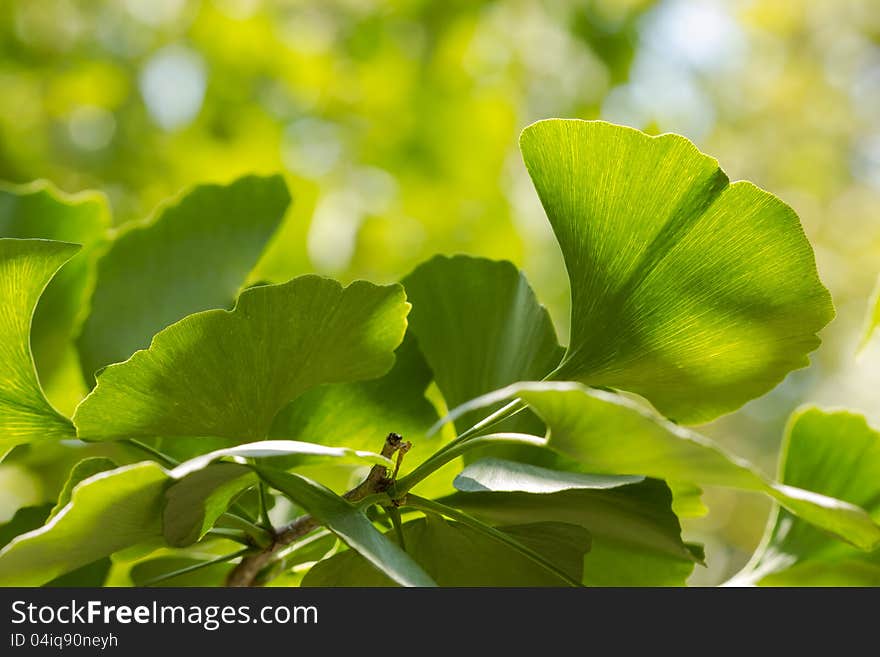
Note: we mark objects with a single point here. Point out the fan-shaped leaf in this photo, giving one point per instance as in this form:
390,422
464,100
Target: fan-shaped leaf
228,373
837,454
39,210
695,293
26,267
194,255
457,555
107,512
480,328
636,536
607,433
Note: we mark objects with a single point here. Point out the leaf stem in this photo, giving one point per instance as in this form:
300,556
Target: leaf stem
155,453
441,457
231,535
394,512
264,508
259,535
436,507
195,567
368,492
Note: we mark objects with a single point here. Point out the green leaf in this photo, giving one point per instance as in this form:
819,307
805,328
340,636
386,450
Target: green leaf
835,453
610,434
205,491
80,472
359,415
499,475
108,512
26,267
228,373
636,536
456,555
25,519
193,504
693,292
39,210
278,449
91,575
350,524
480,328
194,255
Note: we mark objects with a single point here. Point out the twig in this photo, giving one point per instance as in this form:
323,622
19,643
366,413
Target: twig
377,481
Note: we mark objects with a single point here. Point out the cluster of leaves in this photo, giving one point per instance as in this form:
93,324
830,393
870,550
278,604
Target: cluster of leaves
689,297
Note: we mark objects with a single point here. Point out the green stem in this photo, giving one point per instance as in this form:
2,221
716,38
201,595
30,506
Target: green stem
230,534
394,512
193,568
468,520
264,508
441,458
260,536
155,453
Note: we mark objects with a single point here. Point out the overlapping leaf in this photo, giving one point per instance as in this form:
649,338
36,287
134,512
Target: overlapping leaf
695,293
359,415
26,267
227,374
837,454
41,211
80,472
203,490
636,536
457,555
195,255
480,327
107,512
134,504
610,434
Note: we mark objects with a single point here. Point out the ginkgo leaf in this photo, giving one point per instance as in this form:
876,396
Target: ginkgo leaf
835,453
39,210
480,328
359,415
636,536
80,472
457,555
204,489
194,255
607,433
26,267
228,373
136,504
107,512
693,292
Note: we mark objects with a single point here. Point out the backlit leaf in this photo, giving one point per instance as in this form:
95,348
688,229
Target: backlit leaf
636,536
194,255
107,512
457,555
228,373
607,433
26,267
39,210
835,453
693,292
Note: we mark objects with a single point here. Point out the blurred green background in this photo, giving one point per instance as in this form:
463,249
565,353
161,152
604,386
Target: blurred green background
397,125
